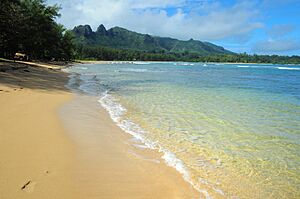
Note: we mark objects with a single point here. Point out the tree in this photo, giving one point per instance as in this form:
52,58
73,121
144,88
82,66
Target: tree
29,26
10,23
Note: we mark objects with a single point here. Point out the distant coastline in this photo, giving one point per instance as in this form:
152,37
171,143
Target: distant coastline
123,61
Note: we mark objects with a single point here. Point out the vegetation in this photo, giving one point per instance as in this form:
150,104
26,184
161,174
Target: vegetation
29,26
86,52
245,58
120,38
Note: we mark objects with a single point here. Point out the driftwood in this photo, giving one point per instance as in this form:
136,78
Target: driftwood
21,57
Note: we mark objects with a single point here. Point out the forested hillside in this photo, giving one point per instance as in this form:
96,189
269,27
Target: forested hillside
120,38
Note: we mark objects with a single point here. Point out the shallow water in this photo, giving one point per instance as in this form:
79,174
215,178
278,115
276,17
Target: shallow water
232,130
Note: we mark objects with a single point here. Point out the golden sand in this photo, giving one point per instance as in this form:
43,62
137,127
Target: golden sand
35,153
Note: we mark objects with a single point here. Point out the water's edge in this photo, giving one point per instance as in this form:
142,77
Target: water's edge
115,110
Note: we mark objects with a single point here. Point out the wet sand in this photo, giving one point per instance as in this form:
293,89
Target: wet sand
112,163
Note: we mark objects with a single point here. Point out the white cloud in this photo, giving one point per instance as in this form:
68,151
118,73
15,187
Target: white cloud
203,20
138,4
275,46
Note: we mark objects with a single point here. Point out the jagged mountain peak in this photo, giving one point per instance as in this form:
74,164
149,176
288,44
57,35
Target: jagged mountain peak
121,38
101,29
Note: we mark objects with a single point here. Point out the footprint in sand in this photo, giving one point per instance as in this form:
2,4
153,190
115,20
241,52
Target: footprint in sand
28,186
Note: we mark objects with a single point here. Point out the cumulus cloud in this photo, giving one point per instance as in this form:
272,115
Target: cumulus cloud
275,46
203,20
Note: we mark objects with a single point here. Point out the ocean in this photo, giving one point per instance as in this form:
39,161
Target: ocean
231,130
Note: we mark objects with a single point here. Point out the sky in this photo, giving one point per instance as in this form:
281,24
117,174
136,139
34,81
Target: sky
251,26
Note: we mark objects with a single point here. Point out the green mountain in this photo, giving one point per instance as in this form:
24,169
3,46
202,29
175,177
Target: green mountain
120,38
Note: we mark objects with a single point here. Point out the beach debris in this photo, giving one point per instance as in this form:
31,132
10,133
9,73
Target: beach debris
21,56
28,186
25,185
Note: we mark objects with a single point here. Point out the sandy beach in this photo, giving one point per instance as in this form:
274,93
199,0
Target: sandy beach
55,144
36,155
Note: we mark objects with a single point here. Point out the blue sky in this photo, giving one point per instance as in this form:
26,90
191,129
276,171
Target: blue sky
261,27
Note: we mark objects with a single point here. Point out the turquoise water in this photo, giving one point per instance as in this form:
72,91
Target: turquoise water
232,130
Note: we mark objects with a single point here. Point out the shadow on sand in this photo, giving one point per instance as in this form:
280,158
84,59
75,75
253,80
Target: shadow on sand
32,77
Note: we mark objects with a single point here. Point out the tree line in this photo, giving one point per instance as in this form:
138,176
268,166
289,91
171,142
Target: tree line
86,52
28,26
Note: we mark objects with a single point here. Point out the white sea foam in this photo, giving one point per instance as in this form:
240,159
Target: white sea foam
137,70
116,111
188,64
243,66
141,63
140,146
280,68
183,64
287,68
172,161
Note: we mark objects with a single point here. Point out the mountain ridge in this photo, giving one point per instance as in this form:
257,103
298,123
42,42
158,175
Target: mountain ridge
121,38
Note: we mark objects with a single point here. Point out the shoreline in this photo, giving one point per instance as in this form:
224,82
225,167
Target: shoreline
43,143
107,152
131,62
